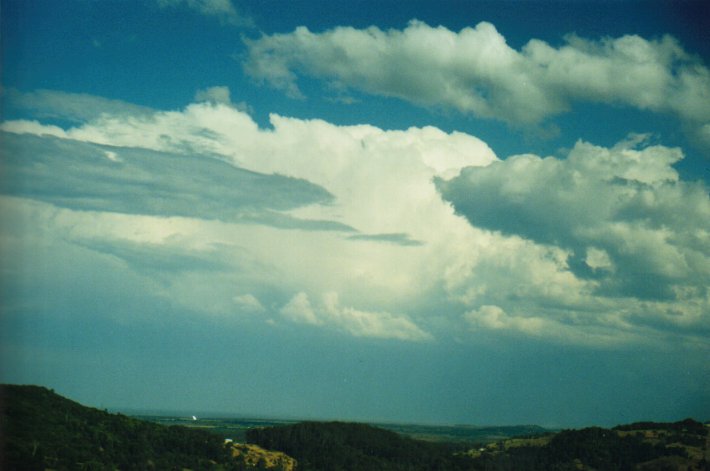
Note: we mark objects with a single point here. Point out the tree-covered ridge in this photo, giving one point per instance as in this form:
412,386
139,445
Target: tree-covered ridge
41,430
337,446
643,446
346,446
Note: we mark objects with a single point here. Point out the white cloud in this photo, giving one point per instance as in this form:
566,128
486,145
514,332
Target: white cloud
214,95
382,184
608,245
248,303
220,95
149,182
112,156
23,126
356,322
222,9
475,71
493,317
623,245
598,259
76,107
627,202
299,309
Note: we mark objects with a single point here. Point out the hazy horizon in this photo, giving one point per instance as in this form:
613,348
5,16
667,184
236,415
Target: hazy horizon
410,212
210,415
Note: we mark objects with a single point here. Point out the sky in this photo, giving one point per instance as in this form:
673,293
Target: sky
438,212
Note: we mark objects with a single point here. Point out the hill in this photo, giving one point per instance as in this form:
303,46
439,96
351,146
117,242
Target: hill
346,446
42,430
646,446
355,446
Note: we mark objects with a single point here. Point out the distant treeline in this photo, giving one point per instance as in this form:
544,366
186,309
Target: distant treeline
687,426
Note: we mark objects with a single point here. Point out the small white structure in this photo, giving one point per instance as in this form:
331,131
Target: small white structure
194,418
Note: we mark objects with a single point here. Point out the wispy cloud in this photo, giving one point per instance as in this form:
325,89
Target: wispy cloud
224,10
396,238
73,107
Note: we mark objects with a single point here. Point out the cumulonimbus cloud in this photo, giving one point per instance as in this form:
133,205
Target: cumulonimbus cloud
607,246
476,72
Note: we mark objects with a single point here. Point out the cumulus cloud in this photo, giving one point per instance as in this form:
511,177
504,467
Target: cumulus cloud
354,164
493,317
622,213
357,322
198,164
299,309
214,95
220,95
475,71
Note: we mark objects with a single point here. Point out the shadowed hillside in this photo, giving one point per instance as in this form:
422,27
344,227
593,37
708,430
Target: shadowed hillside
41,430
353,446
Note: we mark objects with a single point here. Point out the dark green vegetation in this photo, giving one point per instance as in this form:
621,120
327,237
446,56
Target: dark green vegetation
596,448
42,430
233,428
344,446
347,446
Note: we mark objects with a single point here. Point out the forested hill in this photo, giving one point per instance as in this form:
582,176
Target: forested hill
344,446
42,430
354,447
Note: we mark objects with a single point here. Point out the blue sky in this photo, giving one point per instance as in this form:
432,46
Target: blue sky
437,212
